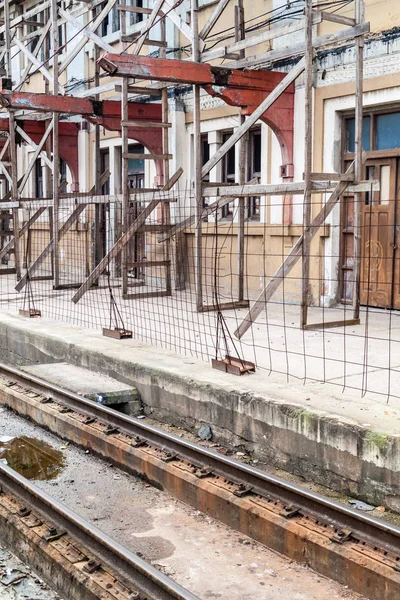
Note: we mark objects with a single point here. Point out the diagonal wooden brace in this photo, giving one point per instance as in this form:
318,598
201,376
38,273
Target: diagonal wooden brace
124,239
22,231
61,232
292,258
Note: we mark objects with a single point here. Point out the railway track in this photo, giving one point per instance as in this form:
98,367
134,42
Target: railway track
74,557
353,548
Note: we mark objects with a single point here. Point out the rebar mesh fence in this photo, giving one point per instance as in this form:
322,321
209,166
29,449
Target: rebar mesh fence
150,286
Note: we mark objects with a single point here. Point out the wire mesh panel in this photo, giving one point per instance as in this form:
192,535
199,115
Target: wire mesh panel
360,356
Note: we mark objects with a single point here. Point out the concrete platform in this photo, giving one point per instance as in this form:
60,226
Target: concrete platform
95,386
344,441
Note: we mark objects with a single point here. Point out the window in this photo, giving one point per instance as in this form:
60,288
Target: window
104,166
38,180
205,153
380,132
63,170
351,134
136,167
254,170
228,175
112,22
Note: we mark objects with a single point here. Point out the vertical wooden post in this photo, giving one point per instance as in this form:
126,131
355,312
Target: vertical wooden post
56,156
48,146
242,176
308,153
12,146
197,161
165,207
124,175
99,209
358,167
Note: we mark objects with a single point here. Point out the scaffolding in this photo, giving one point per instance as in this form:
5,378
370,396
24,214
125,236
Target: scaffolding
49,119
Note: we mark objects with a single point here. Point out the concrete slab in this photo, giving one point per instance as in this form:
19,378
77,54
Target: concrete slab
347,442
95,386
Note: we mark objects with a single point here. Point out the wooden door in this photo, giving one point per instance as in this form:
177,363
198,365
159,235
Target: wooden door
378,222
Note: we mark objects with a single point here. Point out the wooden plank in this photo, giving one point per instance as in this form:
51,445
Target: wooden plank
335,18
225,306
330,324
331,177
215,15
253,118
134,9
137,89
147,156
144,124
278,189
299,48
255,40
291,259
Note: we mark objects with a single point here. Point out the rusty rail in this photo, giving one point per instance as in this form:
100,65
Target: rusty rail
91,549
363,527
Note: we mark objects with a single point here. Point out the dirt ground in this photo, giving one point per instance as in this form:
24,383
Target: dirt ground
201,554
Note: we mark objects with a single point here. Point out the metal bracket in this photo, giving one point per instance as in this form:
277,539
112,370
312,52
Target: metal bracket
91,566
344,535
137,442
289,512
110,429
204,472
53,534
242,490
169,457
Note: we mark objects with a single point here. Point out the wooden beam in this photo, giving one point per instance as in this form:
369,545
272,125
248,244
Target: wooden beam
291,259
335,18
278,189
134,9
255,40
294,50
259,111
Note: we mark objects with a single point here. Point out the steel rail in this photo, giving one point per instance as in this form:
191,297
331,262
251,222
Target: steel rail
128,565
363,527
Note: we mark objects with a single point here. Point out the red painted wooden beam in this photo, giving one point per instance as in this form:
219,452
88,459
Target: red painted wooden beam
179,71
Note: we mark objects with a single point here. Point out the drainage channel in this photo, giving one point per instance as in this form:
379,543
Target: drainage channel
356,550
73,556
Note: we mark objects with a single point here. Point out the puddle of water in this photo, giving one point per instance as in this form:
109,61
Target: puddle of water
31,458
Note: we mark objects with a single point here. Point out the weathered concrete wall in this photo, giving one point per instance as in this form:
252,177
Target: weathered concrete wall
332,450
